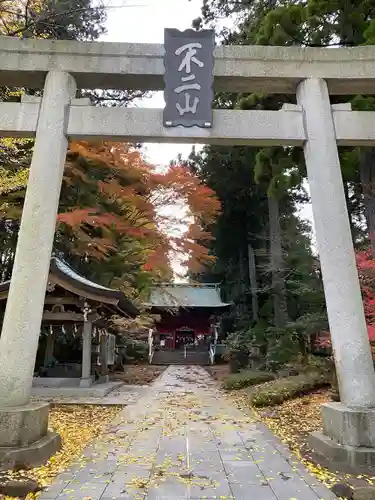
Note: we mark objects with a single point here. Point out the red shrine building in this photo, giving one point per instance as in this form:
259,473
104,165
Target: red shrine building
188,314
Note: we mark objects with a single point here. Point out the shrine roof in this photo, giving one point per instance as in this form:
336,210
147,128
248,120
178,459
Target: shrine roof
186,295
62,267
66,277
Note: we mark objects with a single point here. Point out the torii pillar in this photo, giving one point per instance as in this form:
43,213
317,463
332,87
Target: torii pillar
348,437
24,435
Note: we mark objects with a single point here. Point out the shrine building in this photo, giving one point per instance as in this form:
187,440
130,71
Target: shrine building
76,343
187,314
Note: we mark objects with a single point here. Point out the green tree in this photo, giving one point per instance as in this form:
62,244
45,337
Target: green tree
315,23
53,19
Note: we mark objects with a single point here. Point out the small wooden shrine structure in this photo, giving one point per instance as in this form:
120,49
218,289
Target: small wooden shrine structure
79,306
188,314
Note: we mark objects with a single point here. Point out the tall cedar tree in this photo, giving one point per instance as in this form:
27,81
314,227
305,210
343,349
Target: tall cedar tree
316,23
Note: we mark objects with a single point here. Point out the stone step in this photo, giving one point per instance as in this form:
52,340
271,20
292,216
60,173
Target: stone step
178,358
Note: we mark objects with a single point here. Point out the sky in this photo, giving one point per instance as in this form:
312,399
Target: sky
143,21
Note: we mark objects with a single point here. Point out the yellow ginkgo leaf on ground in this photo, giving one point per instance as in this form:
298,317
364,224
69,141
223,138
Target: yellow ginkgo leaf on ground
293,421
77,426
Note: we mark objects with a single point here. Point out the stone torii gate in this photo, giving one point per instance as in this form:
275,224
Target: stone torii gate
60,67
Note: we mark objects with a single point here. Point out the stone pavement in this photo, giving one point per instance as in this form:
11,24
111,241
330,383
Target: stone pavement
184,440
122,396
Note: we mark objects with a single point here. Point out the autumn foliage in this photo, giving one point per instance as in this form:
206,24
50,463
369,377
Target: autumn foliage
112,200
366,273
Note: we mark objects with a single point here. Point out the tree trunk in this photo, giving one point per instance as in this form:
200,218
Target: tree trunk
367,171
277,264
242,280
242,270
253,282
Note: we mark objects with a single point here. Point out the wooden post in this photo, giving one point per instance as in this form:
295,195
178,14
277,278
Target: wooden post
50,345
103,358
86,380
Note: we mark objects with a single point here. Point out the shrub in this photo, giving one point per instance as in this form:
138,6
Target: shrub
136,351
280,390
246,378
238,349
298,366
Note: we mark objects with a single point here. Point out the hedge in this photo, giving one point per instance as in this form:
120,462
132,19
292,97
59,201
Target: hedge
280,390
246,378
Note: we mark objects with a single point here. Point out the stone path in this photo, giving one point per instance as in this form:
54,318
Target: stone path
184,440
122,396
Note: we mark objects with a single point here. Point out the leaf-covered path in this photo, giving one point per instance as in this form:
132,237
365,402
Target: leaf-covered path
184,440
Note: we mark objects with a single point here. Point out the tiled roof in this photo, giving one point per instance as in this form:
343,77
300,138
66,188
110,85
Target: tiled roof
181,295
69,279
69,271
84,287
